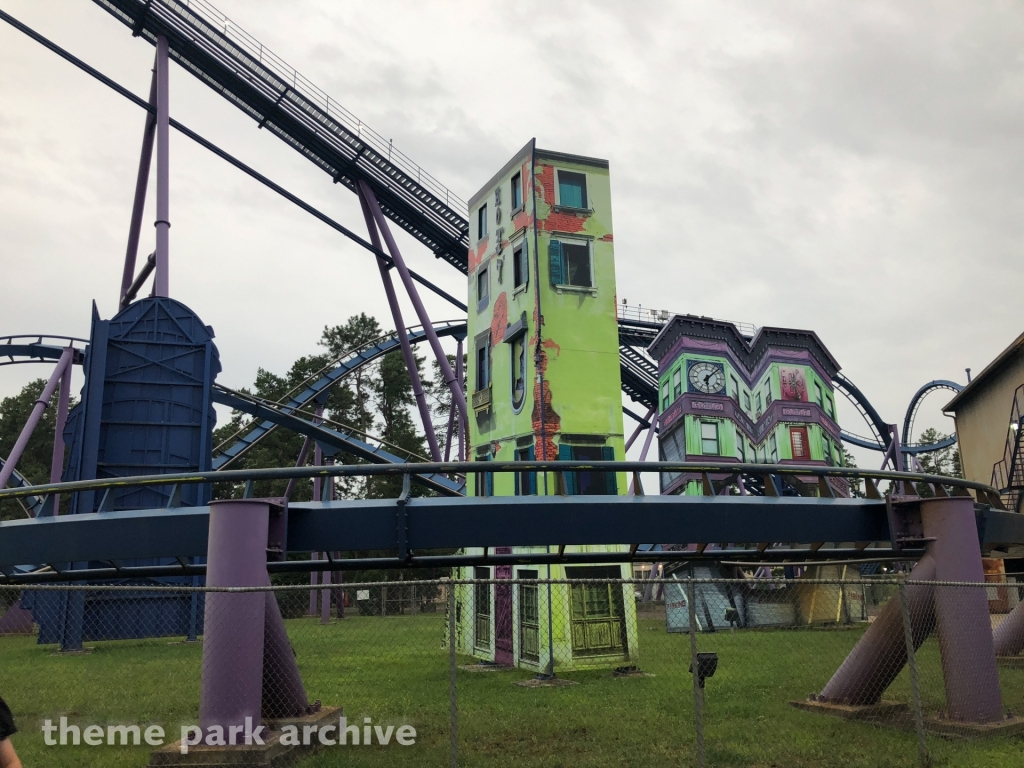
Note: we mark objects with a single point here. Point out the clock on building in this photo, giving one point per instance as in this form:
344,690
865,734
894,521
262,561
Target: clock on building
705,377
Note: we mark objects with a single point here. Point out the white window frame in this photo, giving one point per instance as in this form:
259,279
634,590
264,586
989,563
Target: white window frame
718,438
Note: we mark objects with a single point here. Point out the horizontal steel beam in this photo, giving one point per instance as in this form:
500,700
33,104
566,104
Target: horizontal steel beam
440,523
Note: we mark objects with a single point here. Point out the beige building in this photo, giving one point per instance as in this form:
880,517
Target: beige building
988,413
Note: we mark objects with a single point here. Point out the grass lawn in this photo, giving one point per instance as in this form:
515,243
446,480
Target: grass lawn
394,670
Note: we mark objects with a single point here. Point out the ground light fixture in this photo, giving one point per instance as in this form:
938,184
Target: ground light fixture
707,663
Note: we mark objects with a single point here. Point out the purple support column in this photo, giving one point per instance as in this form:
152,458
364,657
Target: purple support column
1008,637
403,335
636,432
57,460
313,583
284,695
141,183
459,375
881,653
647,446
325,596
163,223
34,417
458,396
339,593
233,642
303,453
961,613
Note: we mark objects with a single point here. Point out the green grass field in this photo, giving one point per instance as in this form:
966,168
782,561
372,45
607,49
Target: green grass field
394,670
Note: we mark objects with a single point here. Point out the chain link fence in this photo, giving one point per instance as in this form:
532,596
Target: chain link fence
767,671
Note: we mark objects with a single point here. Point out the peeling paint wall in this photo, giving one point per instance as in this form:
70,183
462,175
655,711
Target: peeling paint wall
572,382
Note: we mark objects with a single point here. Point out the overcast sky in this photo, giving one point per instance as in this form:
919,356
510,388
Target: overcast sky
851,168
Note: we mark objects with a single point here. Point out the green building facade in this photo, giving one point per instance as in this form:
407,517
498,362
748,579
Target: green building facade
764,398
544,383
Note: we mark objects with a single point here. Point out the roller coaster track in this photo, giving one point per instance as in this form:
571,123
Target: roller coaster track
243,71
274,415
915,404
319,386
36,348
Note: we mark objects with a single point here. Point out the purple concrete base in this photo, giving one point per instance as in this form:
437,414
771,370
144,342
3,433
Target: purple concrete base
17,621
1008,637
961,613
247,659
881,653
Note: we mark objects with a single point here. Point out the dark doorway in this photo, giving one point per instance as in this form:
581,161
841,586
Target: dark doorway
503,611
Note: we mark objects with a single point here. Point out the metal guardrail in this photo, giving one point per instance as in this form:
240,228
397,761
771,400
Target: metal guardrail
641,314
471,467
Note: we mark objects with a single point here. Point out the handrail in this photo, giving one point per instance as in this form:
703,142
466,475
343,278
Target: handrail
470,467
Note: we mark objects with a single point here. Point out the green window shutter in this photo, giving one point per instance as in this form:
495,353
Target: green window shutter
571,483
610,485
557,266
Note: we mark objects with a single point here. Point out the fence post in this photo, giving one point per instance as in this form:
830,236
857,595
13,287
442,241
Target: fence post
453,710
698,694
915,690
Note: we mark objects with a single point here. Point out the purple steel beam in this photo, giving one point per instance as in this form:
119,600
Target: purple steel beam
34,417
636,432
451,409
57,461
249,667
881,653
325,597
232,687
163,223
284,695
313,583
459,375
961,613
301,461
403,335
646,448
458,396
141,183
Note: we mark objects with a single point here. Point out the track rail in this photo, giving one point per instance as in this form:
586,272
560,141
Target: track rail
276,97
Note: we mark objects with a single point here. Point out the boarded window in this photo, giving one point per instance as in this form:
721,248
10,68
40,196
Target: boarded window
798,442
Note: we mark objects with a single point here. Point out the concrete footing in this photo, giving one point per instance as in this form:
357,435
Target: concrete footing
894,714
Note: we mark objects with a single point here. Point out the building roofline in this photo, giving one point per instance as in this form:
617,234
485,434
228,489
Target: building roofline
568,158
527,149
767,336
1002,359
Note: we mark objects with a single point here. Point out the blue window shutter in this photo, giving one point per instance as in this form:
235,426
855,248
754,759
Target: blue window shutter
556,263
610,486
532,456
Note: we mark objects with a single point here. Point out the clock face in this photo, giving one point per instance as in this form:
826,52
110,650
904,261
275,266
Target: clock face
708,378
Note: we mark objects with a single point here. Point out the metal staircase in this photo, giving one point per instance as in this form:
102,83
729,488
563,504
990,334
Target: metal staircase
1008,473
